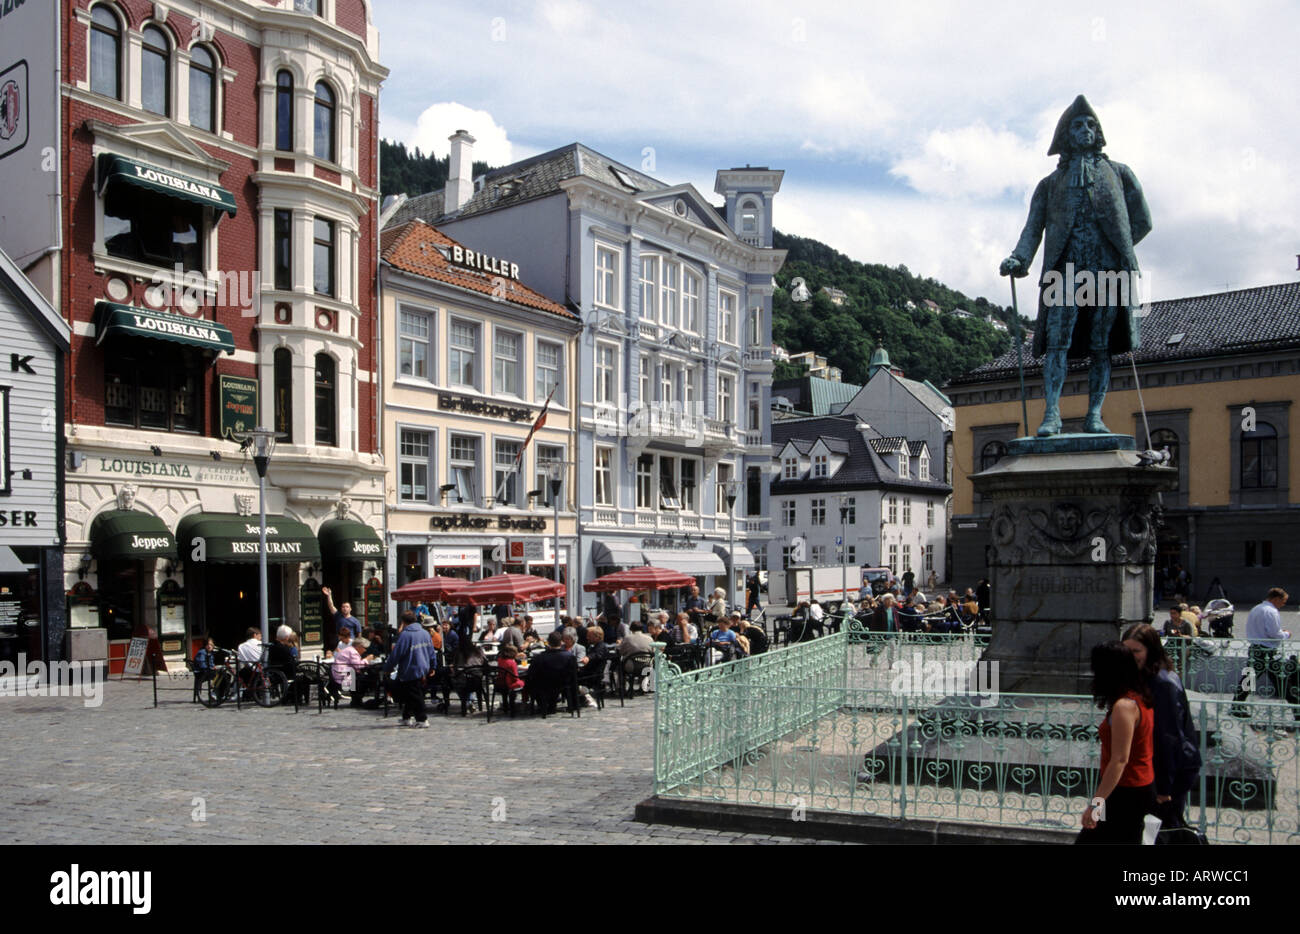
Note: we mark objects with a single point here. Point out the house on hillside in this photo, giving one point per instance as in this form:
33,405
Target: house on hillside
836,296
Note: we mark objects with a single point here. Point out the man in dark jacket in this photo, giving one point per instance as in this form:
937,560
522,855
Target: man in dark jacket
552,673
413,657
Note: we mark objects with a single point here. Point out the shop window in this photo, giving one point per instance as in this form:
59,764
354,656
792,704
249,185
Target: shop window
284,111
326,401
105,53
154,229
156,389
155,71
203,89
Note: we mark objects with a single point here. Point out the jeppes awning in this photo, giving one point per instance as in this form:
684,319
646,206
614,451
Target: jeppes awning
349,540
226,538
130,535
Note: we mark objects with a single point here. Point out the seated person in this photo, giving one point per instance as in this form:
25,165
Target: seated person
636,642
250,650
279,655
685,632
552,672
1175,625
909,618
569,640
347,662
754,636
508,669
724,640
659,634
205,659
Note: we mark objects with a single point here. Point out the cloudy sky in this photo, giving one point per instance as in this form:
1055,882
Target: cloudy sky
910,133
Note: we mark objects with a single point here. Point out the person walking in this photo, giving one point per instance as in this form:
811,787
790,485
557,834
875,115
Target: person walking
1126,792
1175,751
1265,633
412,659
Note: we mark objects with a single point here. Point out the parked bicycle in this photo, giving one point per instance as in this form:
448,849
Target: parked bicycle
266,687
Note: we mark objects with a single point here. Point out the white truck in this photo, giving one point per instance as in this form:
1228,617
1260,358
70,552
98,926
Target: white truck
797,584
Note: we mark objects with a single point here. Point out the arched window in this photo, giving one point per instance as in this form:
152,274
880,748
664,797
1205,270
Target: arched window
993,452
284,111
750,218
283,379
105,53
1259,458
1162,439
323,125
326,401
203,89
155,90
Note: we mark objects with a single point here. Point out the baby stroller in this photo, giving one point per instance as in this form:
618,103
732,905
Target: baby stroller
1218,613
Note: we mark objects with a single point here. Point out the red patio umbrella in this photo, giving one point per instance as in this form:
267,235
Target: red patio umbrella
508,588
430,588
646,578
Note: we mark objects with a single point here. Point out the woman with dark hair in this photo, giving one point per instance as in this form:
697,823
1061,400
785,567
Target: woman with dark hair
1127,784
1177,759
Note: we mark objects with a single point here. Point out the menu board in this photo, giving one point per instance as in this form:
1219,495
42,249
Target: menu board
310,612
375,601
10,611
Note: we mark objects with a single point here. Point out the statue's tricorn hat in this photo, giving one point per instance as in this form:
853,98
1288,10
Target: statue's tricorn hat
1061,138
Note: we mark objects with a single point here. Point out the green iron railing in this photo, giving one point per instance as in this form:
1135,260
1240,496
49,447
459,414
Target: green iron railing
818,726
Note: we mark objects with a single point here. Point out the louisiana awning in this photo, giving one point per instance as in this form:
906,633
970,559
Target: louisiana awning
688,562
349,540
744,557
226,538
129,321
119,170
128,535
616,554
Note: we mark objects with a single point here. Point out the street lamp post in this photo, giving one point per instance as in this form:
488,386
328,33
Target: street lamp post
844,548
732,490
263,443
556,474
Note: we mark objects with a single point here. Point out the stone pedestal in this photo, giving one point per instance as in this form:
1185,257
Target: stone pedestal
1073,536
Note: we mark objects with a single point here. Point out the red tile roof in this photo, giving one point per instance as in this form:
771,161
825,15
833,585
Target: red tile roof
416,248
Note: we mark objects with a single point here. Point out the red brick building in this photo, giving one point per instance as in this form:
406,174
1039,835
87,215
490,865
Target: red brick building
218,201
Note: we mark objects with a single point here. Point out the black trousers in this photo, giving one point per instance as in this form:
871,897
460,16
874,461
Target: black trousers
1124,816
410,694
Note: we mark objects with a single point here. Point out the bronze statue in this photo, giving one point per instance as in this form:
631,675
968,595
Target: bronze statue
1093,213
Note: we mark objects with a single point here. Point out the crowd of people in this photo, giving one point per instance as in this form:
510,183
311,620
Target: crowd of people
896,610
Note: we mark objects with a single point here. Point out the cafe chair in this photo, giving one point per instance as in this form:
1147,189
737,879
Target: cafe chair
635,667
592,677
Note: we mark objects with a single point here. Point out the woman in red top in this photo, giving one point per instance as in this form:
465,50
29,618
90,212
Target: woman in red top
1127,772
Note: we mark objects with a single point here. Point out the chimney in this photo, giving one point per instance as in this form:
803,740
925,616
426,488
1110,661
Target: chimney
460,174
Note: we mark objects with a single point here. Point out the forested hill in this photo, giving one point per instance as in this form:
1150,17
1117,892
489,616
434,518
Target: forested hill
411,172
925,345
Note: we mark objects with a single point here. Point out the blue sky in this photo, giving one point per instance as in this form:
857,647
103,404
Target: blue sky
910,133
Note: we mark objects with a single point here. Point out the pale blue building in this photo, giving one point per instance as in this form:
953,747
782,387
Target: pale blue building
675,352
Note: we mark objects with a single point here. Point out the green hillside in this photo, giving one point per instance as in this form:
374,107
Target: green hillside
924,344
411,172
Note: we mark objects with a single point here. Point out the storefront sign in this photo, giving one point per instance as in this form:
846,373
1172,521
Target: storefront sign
467,521
135,656
455,557
520,550
237,399
669,543
482,262
142,468
171,616
309,612
451,402
83,606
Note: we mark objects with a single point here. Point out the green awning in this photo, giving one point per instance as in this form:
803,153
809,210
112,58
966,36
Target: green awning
349,540
225,538
128,535
129,321
119,170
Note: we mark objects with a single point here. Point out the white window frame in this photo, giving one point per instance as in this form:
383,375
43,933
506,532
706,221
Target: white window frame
818,555
516,365
755,336
414,460
670,498
723,473
647,482
821,466
542,472
604,475
465,468
817,509
457,352
929,558
515,478
907,510
904,466
649,287
670,270
609,259
690,387
923,467
789,512
404,340
691,298
606,386
929,514
790,468
539,390
852,504
727,315
690,493
727,398
907,558
893,510
892,563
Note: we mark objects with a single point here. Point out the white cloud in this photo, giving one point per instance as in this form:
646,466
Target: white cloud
972,161
439,121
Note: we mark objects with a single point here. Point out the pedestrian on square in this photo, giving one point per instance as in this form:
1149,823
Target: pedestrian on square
412,659
1176,756
1265,633
1127,774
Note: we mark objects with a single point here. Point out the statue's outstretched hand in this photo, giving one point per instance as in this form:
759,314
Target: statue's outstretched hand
1012,266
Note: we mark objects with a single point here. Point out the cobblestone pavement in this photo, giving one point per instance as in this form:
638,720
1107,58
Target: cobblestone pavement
126,773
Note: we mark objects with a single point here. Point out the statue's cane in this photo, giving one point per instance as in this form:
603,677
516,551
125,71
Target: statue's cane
1020,362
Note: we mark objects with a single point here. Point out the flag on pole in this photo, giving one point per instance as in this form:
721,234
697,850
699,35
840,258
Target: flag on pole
540,422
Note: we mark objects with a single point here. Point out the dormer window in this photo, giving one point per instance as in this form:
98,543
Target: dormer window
821,467
904,465
923,468
790,468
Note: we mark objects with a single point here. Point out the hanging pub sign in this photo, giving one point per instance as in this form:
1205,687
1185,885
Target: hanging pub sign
237,398
310,612
375,602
